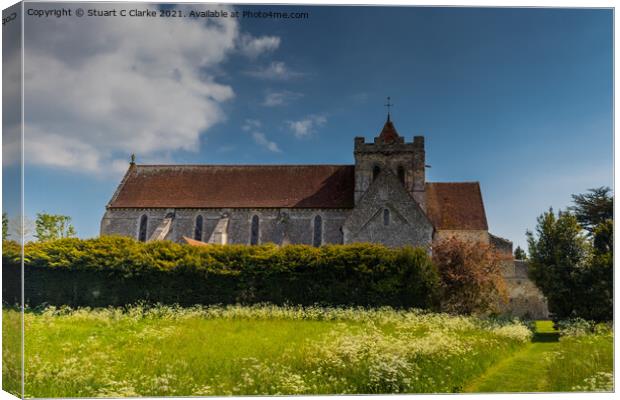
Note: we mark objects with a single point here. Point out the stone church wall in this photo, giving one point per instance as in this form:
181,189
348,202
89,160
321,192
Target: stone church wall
464,235
386,214
274,226
524,297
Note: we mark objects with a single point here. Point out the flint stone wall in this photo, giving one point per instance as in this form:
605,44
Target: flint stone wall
274,225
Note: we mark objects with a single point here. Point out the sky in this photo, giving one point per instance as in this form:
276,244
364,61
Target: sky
517,99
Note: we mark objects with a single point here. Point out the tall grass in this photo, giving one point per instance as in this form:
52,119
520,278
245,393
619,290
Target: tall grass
583,361
12,352
256,350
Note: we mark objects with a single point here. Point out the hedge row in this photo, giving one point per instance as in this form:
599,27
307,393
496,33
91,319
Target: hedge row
117,271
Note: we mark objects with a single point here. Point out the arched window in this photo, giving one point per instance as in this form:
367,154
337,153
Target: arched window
401,175
198,228
254,231
386,216
375,172
317,239
142,230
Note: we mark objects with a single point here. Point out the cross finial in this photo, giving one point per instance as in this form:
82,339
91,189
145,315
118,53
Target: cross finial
388,105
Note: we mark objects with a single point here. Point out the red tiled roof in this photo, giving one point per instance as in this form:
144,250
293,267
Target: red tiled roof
388,133
238,186
450,205
455,205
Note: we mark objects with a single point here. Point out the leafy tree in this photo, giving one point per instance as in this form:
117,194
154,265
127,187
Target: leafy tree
593,208
52,226
520,254
574,273
471,280
20,229
5,226
596,286
603,240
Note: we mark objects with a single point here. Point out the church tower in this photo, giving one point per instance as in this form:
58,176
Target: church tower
406,160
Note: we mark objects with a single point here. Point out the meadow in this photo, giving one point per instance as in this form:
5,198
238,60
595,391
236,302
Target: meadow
269,350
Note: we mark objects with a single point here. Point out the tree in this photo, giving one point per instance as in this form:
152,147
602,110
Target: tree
52,226
520,254
558,251
596,281
593,208
5,226
20,229
471,280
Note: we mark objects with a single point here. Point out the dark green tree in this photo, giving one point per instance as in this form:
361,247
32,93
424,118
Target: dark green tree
593,208
520,254
53,226
596,281
558,253
5,226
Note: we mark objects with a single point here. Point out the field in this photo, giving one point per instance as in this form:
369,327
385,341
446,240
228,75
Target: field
237,350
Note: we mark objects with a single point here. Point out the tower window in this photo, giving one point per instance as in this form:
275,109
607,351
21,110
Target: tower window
198,228
254,230
401,175
386,216
142,230
318,231
375,172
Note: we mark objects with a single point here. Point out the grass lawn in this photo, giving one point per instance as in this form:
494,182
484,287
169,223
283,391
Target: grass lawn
551,364
278,350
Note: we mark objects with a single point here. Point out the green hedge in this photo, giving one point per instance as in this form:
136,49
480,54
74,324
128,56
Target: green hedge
117,271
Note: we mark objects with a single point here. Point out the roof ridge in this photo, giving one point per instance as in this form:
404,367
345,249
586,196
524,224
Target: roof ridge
244,165
453,182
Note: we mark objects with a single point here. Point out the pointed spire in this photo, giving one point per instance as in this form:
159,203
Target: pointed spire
388,133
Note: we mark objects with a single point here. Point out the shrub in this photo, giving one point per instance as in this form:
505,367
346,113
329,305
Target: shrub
115,270
471,280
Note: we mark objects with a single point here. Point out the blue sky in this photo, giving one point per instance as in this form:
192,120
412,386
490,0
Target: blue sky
517,99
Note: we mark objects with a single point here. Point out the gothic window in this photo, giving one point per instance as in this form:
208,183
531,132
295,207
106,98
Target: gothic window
198,228
375,172
386,216
254,231
142,230
401,175
318,231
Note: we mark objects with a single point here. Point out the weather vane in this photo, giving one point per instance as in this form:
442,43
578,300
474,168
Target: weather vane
388,105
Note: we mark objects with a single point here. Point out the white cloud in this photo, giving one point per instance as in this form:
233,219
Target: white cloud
262,140
277,70
274,99
306,126
98,89
253,47
250,124
253,125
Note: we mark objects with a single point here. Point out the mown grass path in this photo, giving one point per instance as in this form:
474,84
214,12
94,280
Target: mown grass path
524,371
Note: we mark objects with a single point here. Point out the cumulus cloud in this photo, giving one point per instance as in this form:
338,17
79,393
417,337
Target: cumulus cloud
253,126
98,89
253,47
276,70
305,127
262,140
274,99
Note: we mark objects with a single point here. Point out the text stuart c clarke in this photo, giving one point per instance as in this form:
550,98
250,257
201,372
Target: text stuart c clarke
168,13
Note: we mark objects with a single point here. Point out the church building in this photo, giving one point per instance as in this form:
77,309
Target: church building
382,198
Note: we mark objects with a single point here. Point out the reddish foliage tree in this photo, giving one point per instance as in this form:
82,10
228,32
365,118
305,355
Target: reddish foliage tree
471,279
